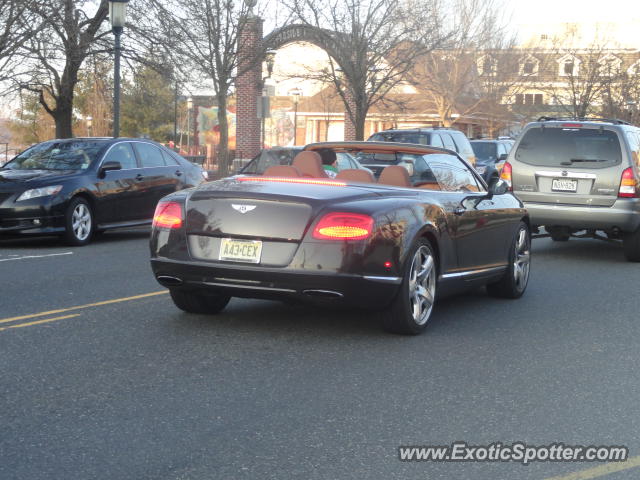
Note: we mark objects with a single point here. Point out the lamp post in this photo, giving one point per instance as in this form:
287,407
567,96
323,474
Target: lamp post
89,126
269,58
296,93
189,107
117,17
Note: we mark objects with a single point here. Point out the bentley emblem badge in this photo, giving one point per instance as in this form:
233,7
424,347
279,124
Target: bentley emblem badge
243,208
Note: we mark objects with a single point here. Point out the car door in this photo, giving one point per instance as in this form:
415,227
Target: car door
158,179
478,233
120,198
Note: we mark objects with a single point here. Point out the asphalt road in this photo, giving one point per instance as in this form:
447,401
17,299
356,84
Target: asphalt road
136,389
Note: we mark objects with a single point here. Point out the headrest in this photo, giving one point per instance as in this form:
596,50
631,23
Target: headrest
310,164
355,175
282,171
395,175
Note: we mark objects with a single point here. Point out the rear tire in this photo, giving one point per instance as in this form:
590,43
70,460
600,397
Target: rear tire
79,222
515,280
197,302
631,243
411,309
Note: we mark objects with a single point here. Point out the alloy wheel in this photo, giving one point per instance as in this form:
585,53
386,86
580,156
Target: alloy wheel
81,221
522,259
422,285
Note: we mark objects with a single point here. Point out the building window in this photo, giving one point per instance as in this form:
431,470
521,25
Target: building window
544,36
529,99
567,67
487,66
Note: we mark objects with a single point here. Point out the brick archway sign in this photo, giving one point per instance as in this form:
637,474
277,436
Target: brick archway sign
251,49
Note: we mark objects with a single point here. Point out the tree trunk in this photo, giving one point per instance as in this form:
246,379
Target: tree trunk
223,146
63,118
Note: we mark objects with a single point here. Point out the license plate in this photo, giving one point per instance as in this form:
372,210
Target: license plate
564,185
233,250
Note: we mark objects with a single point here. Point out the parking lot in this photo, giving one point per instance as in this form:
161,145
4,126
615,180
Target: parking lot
103,378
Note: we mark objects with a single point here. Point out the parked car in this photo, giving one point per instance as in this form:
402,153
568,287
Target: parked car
80,186
448,138
392,245
490,157
582,174
285,155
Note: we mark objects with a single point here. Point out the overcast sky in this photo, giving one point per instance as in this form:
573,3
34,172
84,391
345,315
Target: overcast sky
539,11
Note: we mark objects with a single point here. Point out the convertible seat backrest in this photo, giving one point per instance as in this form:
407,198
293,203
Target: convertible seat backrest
310,164
395,175
355,175
282,171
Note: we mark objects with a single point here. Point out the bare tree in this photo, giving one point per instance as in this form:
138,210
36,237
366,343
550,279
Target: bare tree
372,45
14,18
202,38
55,52
471,74
580,74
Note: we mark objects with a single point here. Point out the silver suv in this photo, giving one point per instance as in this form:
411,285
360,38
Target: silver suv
575,175
442,137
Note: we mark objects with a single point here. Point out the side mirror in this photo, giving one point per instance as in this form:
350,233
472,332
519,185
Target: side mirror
111,165
498,187
502,157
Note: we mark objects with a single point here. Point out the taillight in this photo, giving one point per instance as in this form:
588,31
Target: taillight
506,174
168,215
343,226
572,125
628,184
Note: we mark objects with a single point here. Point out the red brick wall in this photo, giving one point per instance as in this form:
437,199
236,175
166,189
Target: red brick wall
349,126
248,90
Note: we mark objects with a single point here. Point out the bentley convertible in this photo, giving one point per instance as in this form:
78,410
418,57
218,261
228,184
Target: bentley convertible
428,226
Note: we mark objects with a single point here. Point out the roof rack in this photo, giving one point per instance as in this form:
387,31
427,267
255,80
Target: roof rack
615,121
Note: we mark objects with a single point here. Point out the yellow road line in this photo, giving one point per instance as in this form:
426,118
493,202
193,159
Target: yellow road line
38,322
79,307
600,471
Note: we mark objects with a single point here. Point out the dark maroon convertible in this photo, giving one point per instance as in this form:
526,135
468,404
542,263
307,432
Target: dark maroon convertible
428,224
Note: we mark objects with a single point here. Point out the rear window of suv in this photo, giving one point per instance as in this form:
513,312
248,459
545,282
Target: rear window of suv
569,147
401,137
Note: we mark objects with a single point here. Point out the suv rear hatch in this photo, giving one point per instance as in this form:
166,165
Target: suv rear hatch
569,164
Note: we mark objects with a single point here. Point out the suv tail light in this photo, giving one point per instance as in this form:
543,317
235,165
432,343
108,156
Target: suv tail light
343,226
168,215
628,184
505,175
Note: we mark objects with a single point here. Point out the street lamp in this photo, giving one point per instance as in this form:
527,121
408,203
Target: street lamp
189,108
296,93
269,58
89,120
117,17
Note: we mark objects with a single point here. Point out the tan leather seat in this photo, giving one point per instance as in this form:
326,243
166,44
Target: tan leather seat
429,186
396,176
310,164
355,175
282,171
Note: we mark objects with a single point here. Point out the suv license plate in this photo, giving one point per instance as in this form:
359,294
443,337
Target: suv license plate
240,250
564,185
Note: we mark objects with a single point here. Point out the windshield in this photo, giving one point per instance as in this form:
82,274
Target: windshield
54,155
570,147
268,158
486,151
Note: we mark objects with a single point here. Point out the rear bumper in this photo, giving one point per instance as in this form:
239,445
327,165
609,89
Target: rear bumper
623,214
278,283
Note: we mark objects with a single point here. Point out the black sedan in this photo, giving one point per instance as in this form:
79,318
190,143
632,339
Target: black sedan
388,245
81,186
490,157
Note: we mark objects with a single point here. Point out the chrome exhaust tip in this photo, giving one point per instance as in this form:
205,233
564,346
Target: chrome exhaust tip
169,281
